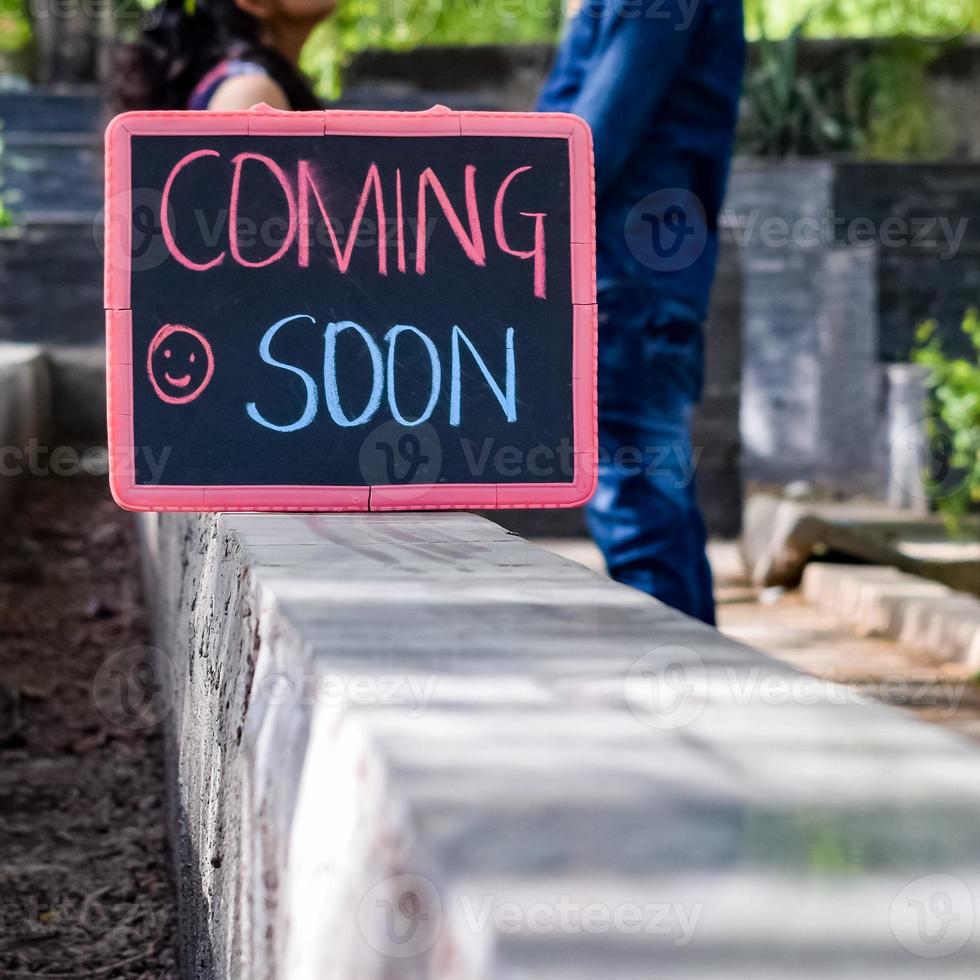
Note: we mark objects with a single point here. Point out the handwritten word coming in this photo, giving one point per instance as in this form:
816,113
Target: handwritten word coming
304,193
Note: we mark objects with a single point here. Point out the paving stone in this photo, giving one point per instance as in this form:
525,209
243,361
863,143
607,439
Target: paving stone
886,602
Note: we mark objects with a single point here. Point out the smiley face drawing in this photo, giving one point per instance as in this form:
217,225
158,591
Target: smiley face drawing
179,364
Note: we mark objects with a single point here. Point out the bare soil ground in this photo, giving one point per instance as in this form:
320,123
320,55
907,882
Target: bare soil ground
84,873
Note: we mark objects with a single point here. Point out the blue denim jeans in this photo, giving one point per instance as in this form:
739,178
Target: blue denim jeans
644,516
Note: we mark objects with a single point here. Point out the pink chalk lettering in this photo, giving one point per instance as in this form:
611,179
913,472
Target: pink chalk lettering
538,252
236,184
473,242
372,182
168,236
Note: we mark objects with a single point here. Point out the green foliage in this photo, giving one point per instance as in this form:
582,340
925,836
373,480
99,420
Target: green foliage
15,28
888,94
7,219
787,112
926,19
403,24
874,104
955,392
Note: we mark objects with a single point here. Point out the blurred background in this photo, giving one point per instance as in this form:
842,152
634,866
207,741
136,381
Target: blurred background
851,231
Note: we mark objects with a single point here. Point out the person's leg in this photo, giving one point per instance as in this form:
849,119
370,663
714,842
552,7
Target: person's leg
645,516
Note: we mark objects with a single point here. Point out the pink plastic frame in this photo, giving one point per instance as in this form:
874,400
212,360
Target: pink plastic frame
264,121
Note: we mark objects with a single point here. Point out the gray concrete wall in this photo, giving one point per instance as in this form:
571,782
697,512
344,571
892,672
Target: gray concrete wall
811,407
415,746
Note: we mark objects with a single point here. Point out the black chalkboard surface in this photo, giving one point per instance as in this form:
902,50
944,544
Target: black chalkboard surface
350,311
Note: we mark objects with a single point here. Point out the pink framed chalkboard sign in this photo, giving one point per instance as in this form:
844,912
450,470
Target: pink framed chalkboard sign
350,311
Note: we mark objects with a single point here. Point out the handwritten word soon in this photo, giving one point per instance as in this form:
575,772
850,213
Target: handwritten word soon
301,194
383,373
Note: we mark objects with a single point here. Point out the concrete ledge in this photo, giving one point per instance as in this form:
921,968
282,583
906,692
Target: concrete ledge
24,409
415,746
780,536
886,602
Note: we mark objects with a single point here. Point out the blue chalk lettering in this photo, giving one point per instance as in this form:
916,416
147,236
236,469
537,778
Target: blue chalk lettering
330,391
436,383
309,413
508,401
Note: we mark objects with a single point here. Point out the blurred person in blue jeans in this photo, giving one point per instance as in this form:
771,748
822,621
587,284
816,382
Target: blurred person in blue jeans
659,83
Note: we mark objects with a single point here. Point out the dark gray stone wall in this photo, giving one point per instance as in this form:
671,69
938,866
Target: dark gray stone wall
51,283
463,77
843,261
716,432
925,224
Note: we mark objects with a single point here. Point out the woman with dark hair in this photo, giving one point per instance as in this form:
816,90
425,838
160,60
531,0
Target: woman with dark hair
220,55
